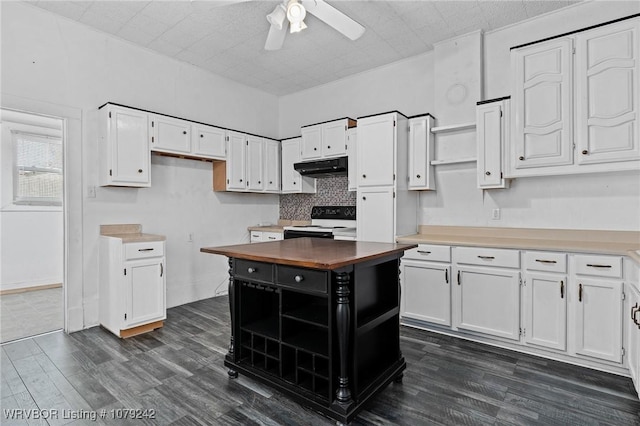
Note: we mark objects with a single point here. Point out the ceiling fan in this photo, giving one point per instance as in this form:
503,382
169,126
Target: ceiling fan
295,11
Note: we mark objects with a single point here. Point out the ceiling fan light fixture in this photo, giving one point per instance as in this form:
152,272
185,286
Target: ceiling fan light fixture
276,18
295,14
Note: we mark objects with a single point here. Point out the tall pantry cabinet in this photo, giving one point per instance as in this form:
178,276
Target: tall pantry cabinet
386,207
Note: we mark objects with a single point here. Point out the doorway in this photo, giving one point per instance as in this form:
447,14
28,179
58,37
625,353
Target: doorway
31,224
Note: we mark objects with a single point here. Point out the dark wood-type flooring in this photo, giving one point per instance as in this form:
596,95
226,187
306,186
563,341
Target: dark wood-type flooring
178,372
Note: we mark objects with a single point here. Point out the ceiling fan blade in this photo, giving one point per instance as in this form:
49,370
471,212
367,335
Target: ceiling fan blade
333,17
275,38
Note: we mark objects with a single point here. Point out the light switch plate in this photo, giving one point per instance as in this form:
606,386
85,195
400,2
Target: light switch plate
495,214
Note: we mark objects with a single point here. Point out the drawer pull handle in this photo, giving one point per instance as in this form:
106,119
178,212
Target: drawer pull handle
546,261
561,289
634,310
272,238
424,252
580,293
146,249
446,276
298,278
487,257
251,270
594,265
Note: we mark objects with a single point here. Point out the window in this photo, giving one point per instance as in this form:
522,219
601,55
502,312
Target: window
37,169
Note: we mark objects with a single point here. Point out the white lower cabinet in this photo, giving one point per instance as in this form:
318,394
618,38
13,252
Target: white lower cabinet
632,319
132,285
260,236
426,284
375,207
545,309
488,301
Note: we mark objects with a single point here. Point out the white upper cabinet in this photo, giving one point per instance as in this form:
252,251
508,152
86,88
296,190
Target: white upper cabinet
542,86
292,181
492,129
421,150
271,167
125,159
608,94
575,103
326,140
236,161
208,141
352,153
170,134
255,164
376,163
311,142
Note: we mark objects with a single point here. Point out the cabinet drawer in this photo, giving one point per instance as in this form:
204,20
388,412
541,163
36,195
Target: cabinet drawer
254,271
142,250
302,279
597,265
272,236
430,252
545,261
487,256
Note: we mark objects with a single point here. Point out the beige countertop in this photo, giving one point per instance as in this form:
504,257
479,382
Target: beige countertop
129,233
625,243
278,228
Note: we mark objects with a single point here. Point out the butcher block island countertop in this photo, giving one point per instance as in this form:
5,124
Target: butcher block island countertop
317,319
314,253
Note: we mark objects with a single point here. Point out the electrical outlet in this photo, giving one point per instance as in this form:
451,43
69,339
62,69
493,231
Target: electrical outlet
91,191
190,237
495,214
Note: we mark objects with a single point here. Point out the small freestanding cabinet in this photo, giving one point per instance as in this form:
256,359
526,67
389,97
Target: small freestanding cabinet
132,280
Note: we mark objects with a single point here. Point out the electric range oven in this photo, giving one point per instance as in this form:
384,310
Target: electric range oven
337,222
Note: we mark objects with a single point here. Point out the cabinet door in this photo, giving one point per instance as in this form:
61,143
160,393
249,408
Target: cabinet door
542,100
608,93
488,301
255,163
144,291
208,141
236,156
632,318
271,166
490,136
375,219
170,135
291,180
421,175
334,139
311,142
129,140
546,311
377,153
598,310
352,153
426,293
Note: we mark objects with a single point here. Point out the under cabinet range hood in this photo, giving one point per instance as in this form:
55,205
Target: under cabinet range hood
323,168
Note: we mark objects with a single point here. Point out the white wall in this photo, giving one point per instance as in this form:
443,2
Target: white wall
56,66
599,201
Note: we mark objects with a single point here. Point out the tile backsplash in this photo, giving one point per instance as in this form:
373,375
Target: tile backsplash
330,192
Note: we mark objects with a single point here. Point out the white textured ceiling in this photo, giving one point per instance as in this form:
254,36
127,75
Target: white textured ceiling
227,38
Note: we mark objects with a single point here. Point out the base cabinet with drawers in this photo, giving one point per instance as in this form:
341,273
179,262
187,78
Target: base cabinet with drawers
132,286
566,306
260,236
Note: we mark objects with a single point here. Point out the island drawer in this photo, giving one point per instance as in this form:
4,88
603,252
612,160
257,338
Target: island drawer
143,250
432,252
307,280
545,261
504,258
598,265
255,271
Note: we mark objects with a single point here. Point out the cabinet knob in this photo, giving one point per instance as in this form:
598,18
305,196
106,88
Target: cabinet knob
418,176
585,152
364,198
328,146
184,132
295,182
315,149
364,176
139,170
298,278
259,182
251,270
202,136
487,173
240,180
521,158
270,182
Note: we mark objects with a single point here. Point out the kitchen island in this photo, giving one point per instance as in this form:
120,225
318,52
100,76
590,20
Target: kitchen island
317,319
